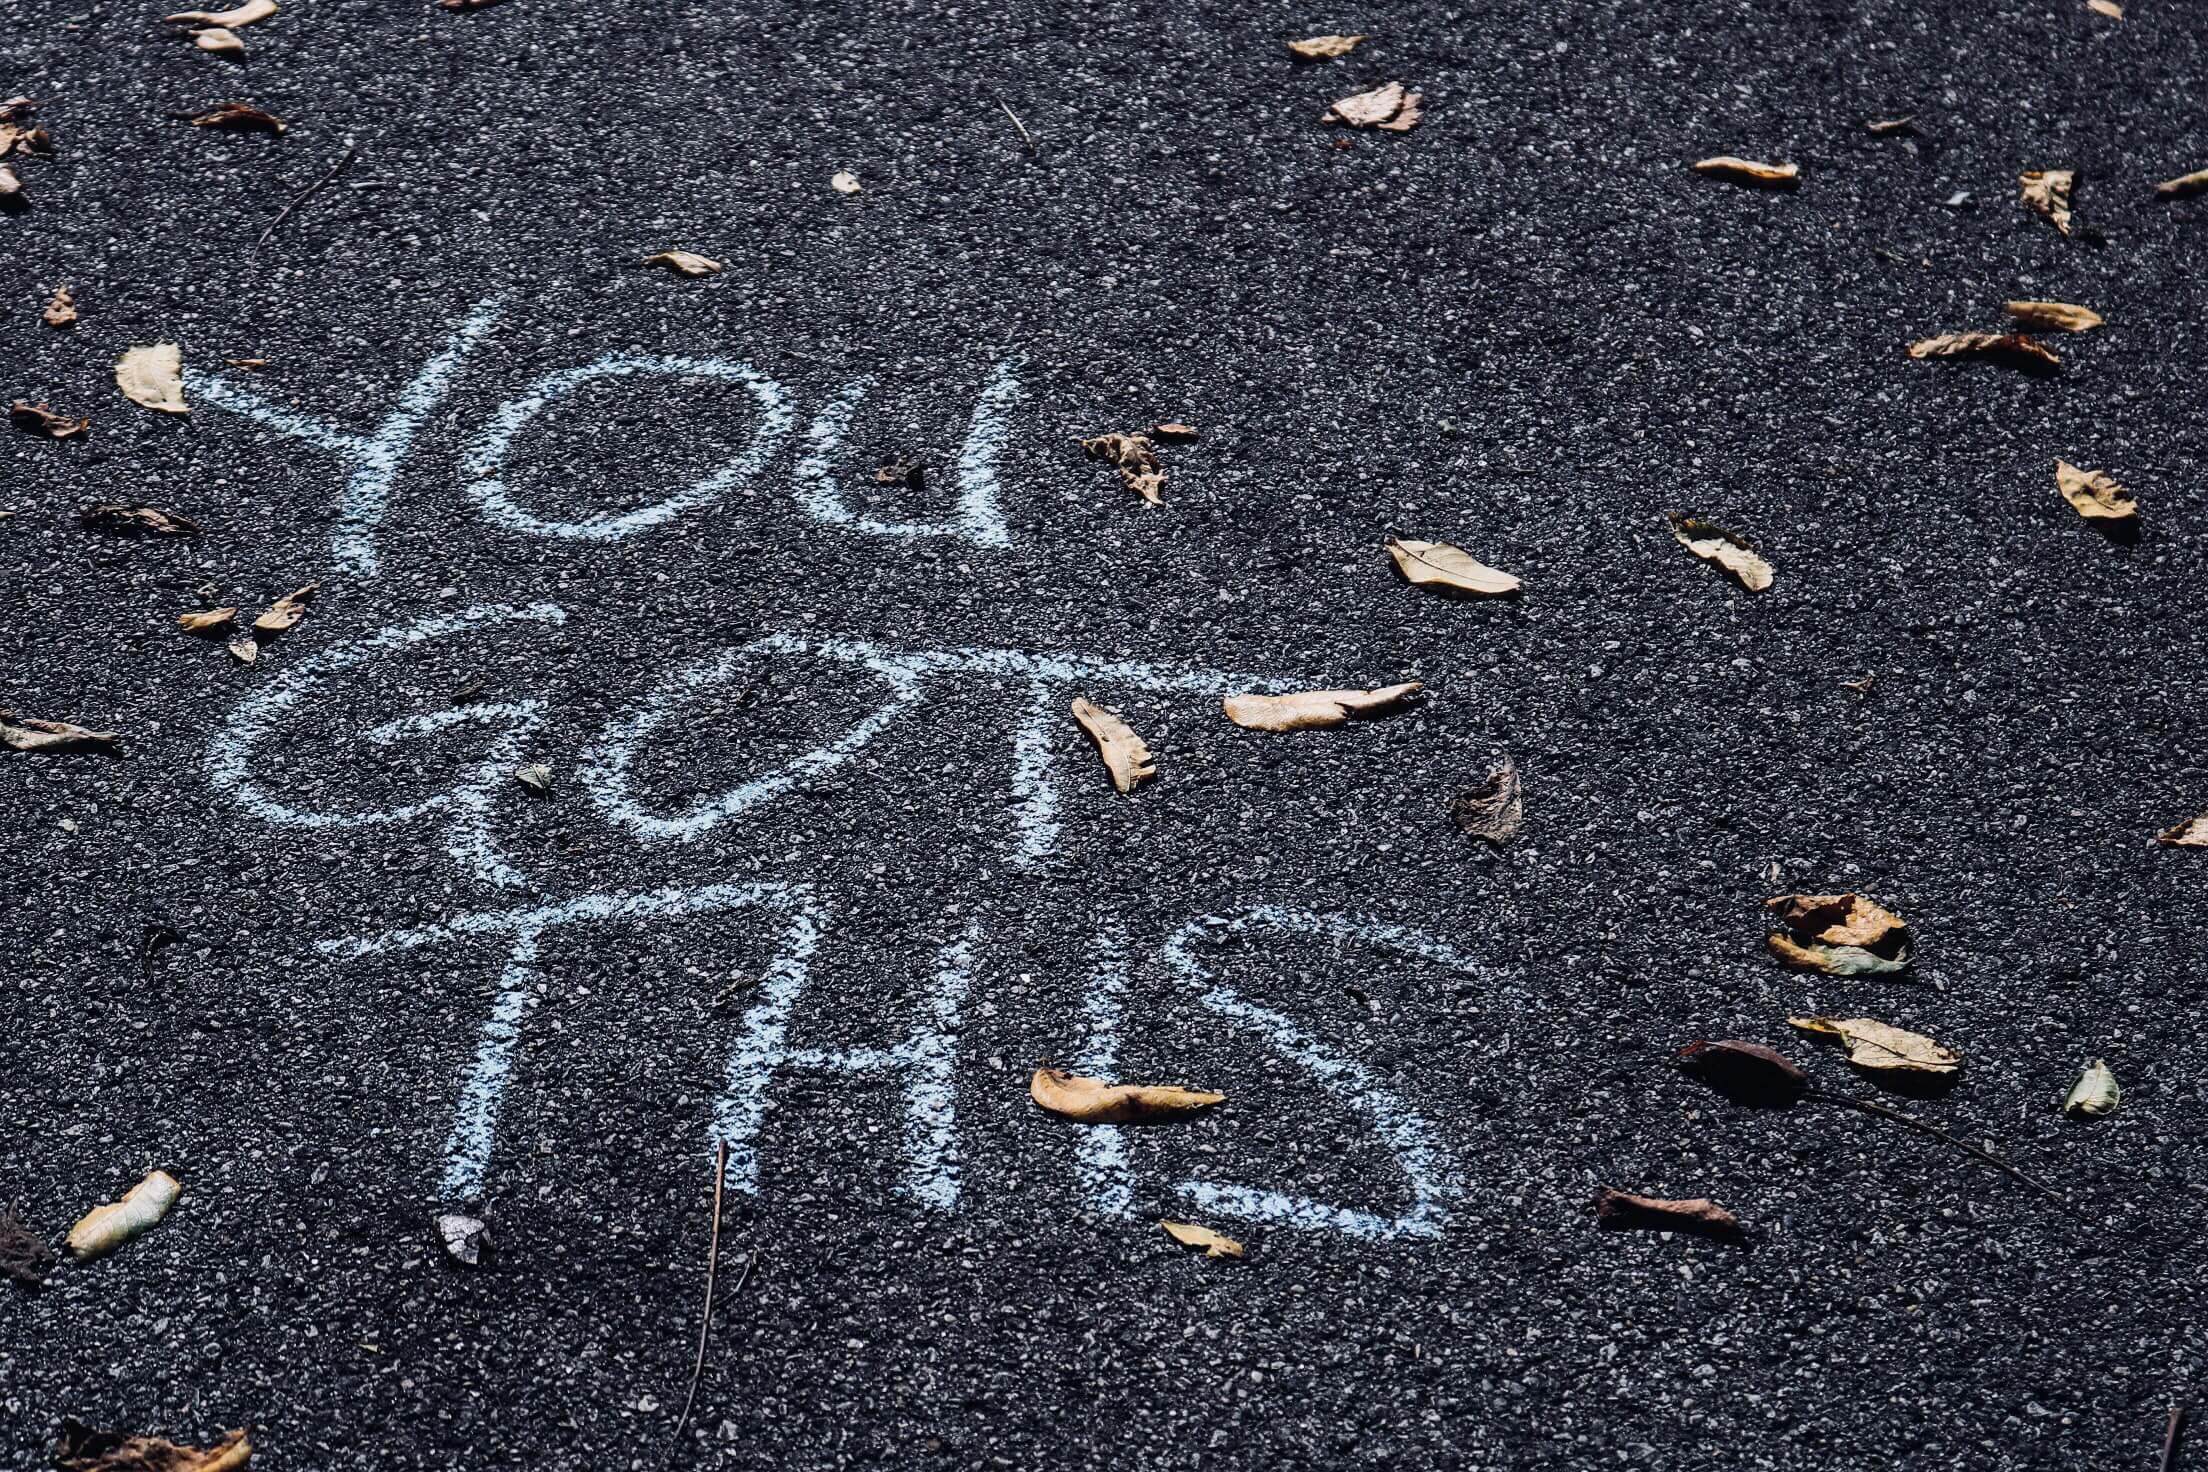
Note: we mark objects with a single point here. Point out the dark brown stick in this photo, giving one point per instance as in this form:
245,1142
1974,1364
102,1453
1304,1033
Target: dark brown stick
705,1325
311,191
2170,1437
1937,1133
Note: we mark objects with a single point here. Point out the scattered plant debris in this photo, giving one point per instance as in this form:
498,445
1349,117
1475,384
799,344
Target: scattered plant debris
240,117
2055,316
61,311
1188,1234
1881,1046
83,1449
1839,935
2183,185
24,1256
219,41
244,650
2048,192
153,376
28,733
465,1239
1748,171
207,620
1712,543
1125,756
39,420
1324,48
1137,459
1174,434
1493,810
712,1271
2192,833
1446,566
1093,1101
2095,1094
284,614
1388,108
902,470
2094,494
1615,1208
105,1228
685,263
2015,349
1889,127
2108,8
1747,1073
136,521
11,188
466,4
1307,709
250,13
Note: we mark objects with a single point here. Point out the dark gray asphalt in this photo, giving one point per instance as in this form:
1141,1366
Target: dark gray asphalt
1526,327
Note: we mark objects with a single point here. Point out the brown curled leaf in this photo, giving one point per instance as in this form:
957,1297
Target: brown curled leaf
1749,171
2016,349
2094,494
1839,935
27,733
61,310
1174,434
685,263
285,612
1188,1234
83,1449
1093,1101
1624,1209
1888,127
2183,185
1493,810
1125,755
1388,108
1137,460
1309,709
240,117
2048,192
1324,48
39,420
1714,544
2192,833
206,620
136,521
1745,1072
2055,316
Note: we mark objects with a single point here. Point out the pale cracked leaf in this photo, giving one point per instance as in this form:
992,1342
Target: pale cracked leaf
250,13
1125,756
1188,1234
2048,191
1093,1101
1324,48
684,263
2094,494
1880,1045
27,733
2096,1093
153,376
105,1228
1307,709
1389,108
2055,316
1714,544
2016,349
1444,565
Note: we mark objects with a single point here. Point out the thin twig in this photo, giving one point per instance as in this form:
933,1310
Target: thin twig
310,192
705,1325
1025,137
1936,1132
2171,1437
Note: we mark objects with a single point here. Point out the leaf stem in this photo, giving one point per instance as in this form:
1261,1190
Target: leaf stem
1867,1107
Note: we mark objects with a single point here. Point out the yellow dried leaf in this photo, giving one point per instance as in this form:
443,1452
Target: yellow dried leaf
1749,171
1713,543
1125,757
1388,108
1443,565
61,311
685,263
1879,1045
1188,1234
1324,48
2055,316
27,733
154,377
2048,191
1307,709
2192,833
83,1449
1137,459
2016,349
206,621
219,41
2094,494
244,15
2108,8
40,420
1093,1101
285,612
2183,185
105,1228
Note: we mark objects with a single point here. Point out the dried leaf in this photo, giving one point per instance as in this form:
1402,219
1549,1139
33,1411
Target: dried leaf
2183,185
244,650
1747,1073
2192,833
206,621
240,117
1093,1101
2055,316
1873,1044
464,1238
11,187
105,1228
153,377
24,1256
84,1450
685,263
2048,191
2094,494
2096,1093
39,420
1615,1208
1307,709
537,777
62,310
844,182
2108,8
1443,565
244,15
901,471
1137,459
1388,108
1713,543
1124,755
1839,935
2016,349
1324,48
1748,171
1493,810
1173,434
1188,1234
1887,127
27,733
136,521
253,364
465,4
285,612
220,42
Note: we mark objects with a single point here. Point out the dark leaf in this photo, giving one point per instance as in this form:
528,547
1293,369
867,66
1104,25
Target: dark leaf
1623,1209
1746,1073
137,521
23,1256
1493,810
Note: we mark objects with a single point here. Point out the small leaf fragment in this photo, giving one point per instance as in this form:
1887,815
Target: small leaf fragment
1137,460
464,1238
1309,709
136,521
536,776
218,41
1174,434
1188,1234
153,377
24,1255
1878,1045
1125,756
1493,810
1389,108
1839,935
2094,494
1745,1072
82,1449
2048,191
285,612
685,263
1093,1101
2055,316
1712,543
11,187
105,1228
1324,48
244,650
241,117
1446,566
206,621
28,733
2016,349
39,420
1749,171
2183,185
466,4
1615,1208
2108,8
2095,1094
61,311
1887,127
2192,833
250,13
844,182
